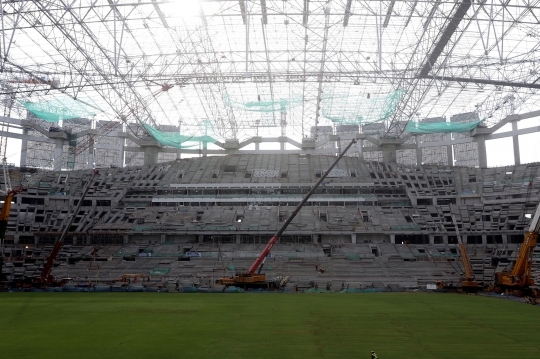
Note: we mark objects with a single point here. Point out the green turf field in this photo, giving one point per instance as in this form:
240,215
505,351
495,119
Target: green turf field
161,325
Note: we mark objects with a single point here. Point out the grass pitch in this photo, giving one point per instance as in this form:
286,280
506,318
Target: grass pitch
160,325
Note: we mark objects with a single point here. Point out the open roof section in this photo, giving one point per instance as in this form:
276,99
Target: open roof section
121,54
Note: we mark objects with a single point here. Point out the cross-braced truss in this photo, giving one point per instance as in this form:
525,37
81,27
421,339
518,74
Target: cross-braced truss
448,57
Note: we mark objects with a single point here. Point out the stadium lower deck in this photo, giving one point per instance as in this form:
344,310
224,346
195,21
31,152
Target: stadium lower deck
370,225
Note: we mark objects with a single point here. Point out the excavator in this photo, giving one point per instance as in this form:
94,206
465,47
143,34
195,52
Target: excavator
253,279
519,280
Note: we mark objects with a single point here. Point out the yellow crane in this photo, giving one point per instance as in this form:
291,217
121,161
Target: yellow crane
519,278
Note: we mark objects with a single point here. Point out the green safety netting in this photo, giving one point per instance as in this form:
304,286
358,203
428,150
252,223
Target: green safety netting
159,271
272,105
175,139
354,109
440,127
64,108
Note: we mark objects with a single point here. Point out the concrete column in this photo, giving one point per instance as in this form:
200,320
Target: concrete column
504,238
463,239
150,155
314,238
431,239
484,239
200,238
445,239
205,149
353,238
122,156
58,151
515,140
238,239
360,145
163,237
482,155
389,153
449,152
392,238
90,157
418,151
126,238
257,146
24,147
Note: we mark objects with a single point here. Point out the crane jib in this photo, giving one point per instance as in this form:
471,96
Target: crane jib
275,238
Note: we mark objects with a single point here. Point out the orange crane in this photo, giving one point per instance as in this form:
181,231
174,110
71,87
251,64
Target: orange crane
519,278
250,279
468,281
46,276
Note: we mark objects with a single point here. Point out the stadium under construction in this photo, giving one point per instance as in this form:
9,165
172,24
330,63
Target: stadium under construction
162,145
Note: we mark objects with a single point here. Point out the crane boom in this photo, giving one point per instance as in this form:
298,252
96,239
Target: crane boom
45,276
276,236
520,275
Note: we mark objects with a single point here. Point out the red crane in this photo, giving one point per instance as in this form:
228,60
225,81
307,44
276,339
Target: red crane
252,280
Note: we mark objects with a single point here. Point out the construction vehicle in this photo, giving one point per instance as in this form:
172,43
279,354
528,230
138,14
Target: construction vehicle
468,282
250,279
45,277
519,280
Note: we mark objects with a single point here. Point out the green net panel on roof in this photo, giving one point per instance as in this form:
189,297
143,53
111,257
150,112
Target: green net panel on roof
272,105
354,109
440,127
61,109
175,139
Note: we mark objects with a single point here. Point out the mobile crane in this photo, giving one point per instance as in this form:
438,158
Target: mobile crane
45,277
468,282
519,278
250,279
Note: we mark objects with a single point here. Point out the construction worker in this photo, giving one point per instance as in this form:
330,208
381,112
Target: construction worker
374,355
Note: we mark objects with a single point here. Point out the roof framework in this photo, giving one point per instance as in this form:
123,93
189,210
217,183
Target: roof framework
450,57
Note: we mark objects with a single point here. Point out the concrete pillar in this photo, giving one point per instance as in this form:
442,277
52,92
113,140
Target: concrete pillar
484,239
431,239
392,238
150,155
449,152
515,140
389,153
418,151
463,239
445,239
314,238
238,238
126,238
90,157
200,238
482,155
163,238
353,238
504,238
58,151
257,146
122,155
205,149
360,145
24,147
